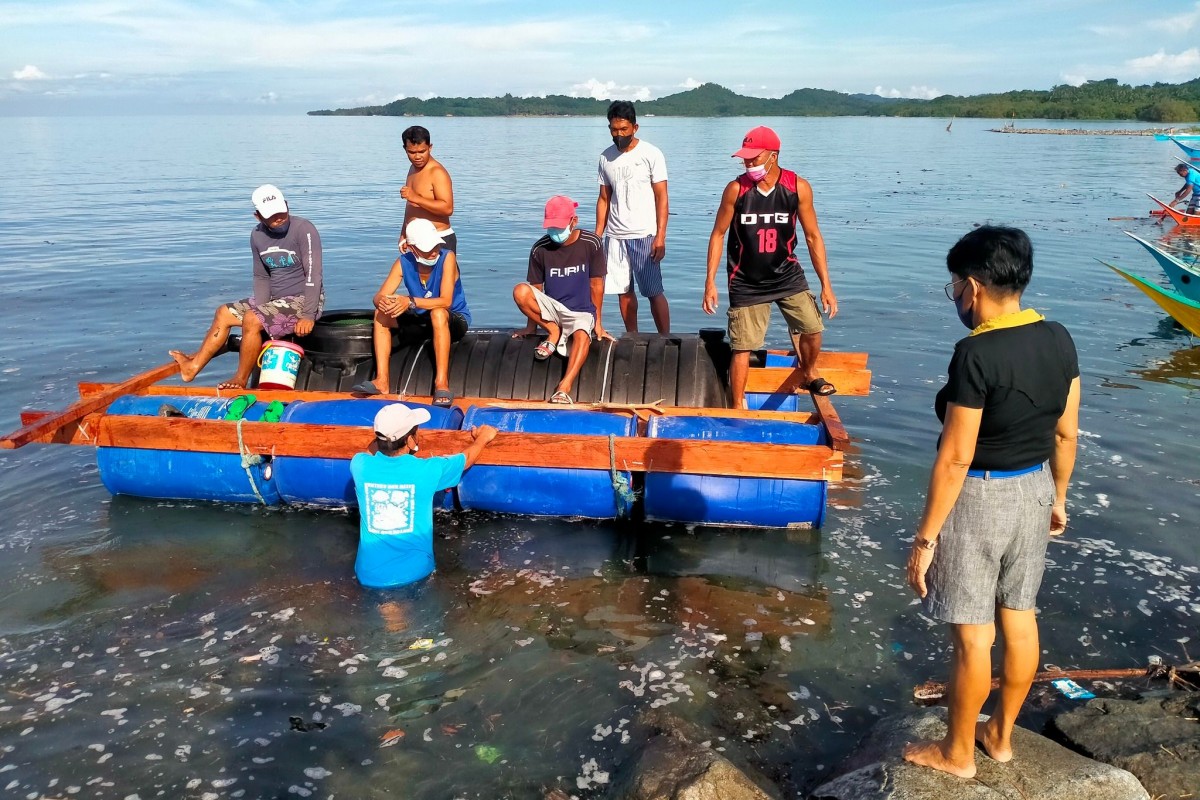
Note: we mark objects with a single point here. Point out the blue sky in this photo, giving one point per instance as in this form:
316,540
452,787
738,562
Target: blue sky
156,56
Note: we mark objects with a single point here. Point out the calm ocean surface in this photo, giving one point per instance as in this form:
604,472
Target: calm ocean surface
188,650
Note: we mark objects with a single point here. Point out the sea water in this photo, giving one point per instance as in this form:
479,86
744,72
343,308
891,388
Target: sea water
183,649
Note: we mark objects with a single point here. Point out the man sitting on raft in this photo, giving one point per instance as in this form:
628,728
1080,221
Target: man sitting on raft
288,293
564,291
423,297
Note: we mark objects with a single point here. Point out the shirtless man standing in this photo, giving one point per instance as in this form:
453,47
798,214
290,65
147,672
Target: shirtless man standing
427,190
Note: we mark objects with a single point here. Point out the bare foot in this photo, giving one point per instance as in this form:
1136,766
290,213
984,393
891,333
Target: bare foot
232,383
187,370
996,746
929,754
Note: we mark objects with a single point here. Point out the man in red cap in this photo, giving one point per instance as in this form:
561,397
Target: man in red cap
564,291
763,206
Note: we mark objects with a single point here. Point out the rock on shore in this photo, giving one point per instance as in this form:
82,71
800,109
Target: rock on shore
1157,739
1041,770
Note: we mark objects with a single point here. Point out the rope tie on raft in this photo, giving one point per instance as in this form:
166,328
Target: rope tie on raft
249,460
622,491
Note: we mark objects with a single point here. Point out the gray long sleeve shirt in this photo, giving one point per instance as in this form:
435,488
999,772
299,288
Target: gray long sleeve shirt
288,264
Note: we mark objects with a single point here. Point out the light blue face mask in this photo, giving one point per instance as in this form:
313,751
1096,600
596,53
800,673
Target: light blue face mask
559,235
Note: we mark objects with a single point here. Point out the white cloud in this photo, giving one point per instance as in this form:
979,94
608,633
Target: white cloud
269,98
691,83
609,90
1075,79
1180,23
917,92
29,73
1167,65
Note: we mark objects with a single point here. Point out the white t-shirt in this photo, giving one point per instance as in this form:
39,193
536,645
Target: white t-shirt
629,176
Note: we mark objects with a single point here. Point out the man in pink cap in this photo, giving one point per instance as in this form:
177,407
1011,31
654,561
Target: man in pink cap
763,206
564,291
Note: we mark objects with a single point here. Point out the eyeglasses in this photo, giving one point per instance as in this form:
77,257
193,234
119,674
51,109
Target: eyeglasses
949,288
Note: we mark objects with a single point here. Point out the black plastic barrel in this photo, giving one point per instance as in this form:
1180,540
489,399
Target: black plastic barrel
679,370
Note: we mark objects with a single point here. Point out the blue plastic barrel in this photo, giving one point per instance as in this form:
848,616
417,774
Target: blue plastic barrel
549,491
179,474
762,401
719,500
326,482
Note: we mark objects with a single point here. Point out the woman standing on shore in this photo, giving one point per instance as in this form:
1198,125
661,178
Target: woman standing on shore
998,488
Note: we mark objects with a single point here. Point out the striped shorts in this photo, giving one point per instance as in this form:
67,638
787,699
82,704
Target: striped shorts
992,549
628,257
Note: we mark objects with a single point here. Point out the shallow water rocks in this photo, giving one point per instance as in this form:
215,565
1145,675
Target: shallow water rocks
1156,738
675,765
1042,770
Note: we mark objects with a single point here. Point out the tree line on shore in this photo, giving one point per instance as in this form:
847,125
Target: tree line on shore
1104,99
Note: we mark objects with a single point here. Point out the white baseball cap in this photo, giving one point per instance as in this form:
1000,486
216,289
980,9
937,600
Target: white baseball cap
396,420
268,201
422,235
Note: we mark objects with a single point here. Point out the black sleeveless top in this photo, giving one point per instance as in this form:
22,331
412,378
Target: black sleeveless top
762,262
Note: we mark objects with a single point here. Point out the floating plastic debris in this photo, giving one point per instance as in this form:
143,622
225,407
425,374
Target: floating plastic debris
1071,689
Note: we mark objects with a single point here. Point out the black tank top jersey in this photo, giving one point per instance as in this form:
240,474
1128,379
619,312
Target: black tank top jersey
762,262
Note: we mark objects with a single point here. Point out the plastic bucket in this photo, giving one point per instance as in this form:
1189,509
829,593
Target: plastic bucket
279,362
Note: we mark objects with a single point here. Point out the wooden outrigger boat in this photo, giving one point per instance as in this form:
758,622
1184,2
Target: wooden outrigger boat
1185,311
1180,217
1162,137
678,457
1183,276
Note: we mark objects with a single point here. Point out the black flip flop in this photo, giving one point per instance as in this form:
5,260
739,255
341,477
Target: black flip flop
821,387
365,387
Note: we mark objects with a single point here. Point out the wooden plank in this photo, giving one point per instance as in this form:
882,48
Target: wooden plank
786,380
802,417
30,417
85,406
703,457
838,438
831,359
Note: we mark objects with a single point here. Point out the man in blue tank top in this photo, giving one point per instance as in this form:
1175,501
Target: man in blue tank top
423,298
763,206
395,491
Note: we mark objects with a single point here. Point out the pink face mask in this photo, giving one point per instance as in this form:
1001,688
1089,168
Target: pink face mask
756,174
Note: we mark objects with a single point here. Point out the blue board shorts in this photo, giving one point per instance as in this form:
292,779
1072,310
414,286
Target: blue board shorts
992,550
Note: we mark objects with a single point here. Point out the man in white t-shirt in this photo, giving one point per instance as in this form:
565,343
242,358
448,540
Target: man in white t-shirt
631,218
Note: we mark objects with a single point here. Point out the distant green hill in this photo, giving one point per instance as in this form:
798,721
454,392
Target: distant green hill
1107,99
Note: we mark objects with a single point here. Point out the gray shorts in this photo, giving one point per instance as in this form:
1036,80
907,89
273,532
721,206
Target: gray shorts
992,549
570,321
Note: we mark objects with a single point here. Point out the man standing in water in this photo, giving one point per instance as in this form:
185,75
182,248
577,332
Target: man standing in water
763,205
1190,188
631,218
427,190
395,491
288,294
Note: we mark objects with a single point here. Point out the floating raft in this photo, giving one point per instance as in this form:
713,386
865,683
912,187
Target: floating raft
649,437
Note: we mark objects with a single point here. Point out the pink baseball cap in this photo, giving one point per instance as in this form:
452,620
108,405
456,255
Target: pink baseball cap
757,140
559,211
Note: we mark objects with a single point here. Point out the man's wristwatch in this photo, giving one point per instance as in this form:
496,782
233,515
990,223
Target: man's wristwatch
924,544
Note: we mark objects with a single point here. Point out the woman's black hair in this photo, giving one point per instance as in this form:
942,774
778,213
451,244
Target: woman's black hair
999,257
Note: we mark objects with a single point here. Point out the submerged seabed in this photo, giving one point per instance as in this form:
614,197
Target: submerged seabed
187,650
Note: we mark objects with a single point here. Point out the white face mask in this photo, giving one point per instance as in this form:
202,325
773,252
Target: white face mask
429,262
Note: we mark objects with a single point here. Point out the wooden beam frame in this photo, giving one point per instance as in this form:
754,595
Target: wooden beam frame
700,457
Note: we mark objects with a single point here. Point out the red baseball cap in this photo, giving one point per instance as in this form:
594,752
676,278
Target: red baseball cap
757,140
559,211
